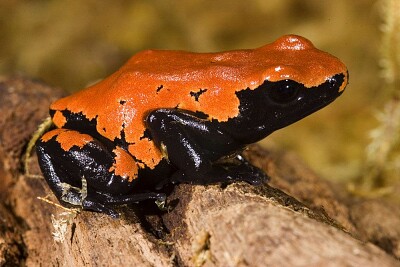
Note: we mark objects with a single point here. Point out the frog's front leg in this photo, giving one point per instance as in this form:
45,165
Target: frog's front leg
83,172
196,146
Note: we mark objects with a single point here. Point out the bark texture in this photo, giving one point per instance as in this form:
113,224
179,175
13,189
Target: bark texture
298,219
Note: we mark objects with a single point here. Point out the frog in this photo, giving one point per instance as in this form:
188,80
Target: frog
168,117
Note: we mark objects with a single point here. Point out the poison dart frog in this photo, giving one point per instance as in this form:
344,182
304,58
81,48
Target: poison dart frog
180,117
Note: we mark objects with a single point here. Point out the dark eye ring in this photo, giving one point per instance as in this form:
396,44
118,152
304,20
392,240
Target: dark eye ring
284,92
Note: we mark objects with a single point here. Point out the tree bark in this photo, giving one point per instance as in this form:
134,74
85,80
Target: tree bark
298,219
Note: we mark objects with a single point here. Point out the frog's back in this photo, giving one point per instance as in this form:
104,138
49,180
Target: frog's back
205,82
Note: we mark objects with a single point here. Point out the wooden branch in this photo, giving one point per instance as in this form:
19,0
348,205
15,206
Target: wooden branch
230,225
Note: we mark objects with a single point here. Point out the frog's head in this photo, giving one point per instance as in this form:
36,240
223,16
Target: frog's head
291,80
287,101
274,105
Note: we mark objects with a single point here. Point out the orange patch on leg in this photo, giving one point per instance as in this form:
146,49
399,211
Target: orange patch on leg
124,165
68,138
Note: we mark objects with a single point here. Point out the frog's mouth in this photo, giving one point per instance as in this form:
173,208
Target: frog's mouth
321,102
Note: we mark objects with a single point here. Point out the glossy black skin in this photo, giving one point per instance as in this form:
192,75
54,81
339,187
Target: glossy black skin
199,151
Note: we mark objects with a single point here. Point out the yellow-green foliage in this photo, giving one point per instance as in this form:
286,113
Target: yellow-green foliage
383,153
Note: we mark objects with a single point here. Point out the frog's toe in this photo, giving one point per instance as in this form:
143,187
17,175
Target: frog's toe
257,178
98,207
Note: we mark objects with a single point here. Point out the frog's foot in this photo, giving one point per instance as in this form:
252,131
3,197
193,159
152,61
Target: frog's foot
101,202
88,204
132,198
245,171
222,173
74,195
78,197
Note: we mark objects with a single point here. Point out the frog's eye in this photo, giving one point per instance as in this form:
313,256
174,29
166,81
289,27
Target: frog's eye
284,92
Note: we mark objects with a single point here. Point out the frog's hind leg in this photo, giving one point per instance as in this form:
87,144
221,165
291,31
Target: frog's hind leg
81,171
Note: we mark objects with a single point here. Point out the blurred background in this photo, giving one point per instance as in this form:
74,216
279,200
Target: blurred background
70,44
